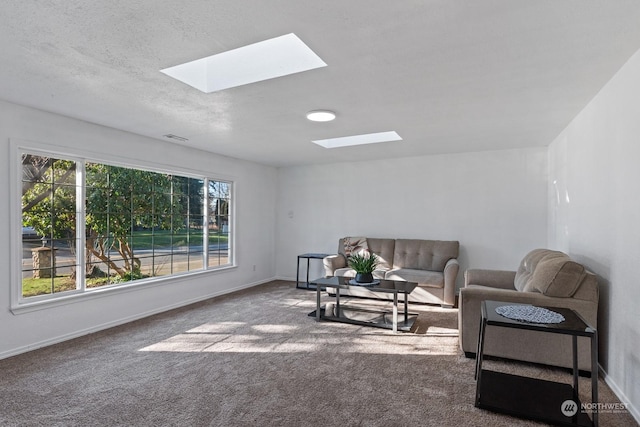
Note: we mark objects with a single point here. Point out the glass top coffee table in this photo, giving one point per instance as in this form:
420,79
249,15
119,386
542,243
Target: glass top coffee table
368,316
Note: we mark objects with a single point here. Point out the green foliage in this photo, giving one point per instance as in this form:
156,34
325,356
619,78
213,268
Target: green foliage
127,277
49,196
363,262
126,198
118,202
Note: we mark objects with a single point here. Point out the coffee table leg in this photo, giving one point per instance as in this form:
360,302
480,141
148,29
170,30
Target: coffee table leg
480,344
406,308
318,287
479,355
395,312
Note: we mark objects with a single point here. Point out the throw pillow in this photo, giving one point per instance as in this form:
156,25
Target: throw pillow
355,245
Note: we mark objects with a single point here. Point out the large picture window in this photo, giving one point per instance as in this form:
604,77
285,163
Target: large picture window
87,225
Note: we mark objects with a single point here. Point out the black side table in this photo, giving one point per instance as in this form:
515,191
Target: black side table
309,257
533,398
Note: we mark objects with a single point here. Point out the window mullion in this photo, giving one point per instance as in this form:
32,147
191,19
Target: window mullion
205,226
80,226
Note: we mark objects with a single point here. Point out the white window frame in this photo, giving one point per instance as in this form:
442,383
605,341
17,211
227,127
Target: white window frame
20,304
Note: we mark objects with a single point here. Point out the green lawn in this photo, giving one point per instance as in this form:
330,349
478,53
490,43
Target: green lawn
32,287
163,238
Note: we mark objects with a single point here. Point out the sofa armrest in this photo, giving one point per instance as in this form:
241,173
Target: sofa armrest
450,272
471,298
501,279
332,263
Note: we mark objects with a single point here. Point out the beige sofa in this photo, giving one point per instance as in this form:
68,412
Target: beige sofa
544,278
432,264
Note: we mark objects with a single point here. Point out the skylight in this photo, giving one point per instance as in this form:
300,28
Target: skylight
369,138
256,62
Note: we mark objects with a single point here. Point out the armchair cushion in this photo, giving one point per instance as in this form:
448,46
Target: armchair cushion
551,273
557,277
527,267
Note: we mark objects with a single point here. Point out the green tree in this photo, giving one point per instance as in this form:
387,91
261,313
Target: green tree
118,201
121,200
48,196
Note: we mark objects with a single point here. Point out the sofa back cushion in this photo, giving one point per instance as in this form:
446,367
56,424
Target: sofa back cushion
381,247
429,255
551,273
527,266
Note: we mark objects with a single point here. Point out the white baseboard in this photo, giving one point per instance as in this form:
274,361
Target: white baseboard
635,413
122,321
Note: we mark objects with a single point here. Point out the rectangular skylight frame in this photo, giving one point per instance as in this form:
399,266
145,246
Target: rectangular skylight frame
369,138
265,60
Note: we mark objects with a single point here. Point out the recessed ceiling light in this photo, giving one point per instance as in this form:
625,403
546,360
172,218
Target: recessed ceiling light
256,62
321,115
369,138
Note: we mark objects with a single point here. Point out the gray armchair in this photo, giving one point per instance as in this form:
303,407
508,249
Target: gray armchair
544,278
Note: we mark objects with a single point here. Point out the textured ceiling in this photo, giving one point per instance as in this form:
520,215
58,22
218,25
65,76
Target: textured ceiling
448,76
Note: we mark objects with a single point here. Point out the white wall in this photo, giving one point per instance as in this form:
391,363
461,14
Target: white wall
494,203
255,219
594,215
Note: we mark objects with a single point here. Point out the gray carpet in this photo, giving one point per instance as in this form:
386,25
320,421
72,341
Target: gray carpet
254,358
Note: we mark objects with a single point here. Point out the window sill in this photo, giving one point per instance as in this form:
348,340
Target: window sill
72,298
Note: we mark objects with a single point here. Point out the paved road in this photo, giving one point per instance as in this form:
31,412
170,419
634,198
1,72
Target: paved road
158,262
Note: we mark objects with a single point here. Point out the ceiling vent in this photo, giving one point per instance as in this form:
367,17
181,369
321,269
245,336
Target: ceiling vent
176,137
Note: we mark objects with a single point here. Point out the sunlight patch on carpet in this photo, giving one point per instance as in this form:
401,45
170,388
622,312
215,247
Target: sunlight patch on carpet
273,343
275,328
218,327
434,333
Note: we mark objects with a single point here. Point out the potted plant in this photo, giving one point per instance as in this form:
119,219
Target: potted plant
364,263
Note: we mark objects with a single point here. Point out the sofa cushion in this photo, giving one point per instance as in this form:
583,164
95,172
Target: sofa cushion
551,273
424,254
422,277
